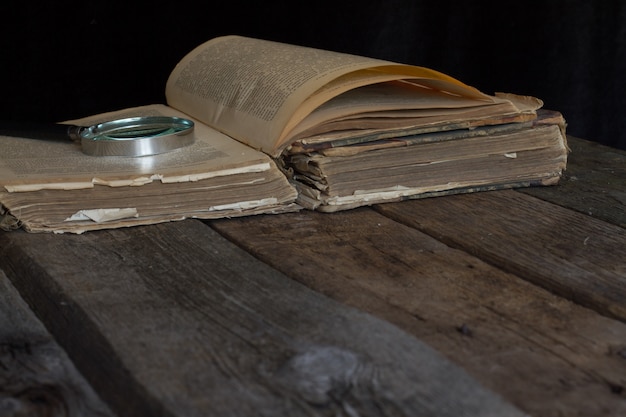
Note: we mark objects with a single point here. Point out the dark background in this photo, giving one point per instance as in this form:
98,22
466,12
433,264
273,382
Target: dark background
69,59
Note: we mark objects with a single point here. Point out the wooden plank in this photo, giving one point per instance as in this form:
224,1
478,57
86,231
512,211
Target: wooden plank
173,320
594,182
544,354
36,376
573,255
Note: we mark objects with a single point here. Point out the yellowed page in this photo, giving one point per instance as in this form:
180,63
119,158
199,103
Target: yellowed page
30,164
394,100
258,91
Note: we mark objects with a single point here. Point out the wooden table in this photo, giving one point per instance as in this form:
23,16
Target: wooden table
500,303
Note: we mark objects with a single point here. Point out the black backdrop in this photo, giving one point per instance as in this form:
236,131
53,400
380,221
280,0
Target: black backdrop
69,59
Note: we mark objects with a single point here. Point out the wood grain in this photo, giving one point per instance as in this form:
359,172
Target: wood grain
573,255
594,182
173,320
37,378
543,353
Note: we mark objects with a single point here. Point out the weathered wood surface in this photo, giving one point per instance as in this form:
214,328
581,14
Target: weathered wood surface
594,182
173,320
37,379
577,257
543,353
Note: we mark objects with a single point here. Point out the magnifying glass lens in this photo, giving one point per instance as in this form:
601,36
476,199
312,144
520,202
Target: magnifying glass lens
137,136
135,132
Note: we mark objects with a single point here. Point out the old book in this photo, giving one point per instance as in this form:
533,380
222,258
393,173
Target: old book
280,127
430,163
53,186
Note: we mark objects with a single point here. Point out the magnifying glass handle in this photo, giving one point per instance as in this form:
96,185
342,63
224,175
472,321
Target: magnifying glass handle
46,131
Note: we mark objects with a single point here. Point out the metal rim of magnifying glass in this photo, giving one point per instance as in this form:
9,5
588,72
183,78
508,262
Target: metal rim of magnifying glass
137,136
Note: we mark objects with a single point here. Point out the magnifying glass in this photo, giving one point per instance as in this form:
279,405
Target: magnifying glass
133,136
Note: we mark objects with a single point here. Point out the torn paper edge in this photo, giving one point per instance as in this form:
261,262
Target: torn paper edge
103,215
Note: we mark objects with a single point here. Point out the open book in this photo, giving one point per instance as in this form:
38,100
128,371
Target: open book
280,127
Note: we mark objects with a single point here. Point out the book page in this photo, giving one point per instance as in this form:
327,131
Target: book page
257,91
31,164
393,100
